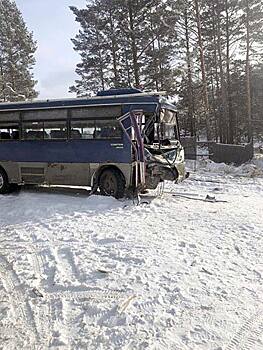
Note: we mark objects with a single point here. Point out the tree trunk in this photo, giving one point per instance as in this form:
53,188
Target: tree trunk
134,46
224,114
114,53
128,68
216,86
101,72
159,44
203,70
189,76
231,133
156,82
2,91
248,81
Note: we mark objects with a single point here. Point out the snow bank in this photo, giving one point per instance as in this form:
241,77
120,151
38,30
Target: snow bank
251,169
258,160
258,144
29,207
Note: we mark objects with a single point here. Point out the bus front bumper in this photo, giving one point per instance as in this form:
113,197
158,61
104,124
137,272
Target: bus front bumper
159,172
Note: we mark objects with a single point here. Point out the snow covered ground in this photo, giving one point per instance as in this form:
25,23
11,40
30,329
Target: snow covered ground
176,272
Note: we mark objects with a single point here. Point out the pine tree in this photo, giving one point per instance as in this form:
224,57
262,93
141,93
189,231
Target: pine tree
91,44
161,46
17,49
214,45
125,43
257,99
253,28
203,67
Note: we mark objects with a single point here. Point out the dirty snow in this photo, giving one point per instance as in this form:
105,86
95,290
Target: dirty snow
175,272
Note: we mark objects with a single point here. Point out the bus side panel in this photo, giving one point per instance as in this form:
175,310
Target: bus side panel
63,162
72,151
59,173
75,174
12,171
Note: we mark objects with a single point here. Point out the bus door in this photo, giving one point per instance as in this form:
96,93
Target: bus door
131,124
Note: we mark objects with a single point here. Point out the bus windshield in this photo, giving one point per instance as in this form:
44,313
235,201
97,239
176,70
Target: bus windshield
168,131
169,125
167,128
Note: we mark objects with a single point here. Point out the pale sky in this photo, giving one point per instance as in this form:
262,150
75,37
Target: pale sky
53,25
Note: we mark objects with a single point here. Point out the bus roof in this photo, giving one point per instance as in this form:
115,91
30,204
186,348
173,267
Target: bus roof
110,97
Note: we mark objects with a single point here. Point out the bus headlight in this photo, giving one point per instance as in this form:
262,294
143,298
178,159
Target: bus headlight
171,156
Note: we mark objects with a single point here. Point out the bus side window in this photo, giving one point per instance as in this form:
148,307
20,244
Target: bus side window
108,129
4,135
9,131
15,134
55,130
33,130
82,129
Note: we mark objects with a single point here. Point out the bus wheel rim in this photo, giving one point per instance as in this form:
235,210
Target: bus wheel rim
109,185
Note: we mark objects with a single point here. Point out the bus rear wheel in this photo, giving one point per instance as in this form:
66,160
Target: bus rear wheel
111,183
4,184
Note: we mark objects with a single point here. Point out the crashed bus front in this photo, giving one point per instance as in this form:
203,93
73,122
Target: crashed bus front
164,153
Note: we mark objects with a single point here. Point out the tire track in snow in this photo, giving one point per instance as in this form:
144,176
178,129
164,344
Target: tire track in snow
48,314
88,295
19,302
61,253
41,309
249,334
59,324
67,267
7,332
66,315
93,313
148,306
42,305
57,302
61,305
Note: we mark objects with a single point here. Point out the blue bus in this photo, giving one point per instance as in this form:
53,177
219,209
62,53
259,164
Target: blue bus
120,141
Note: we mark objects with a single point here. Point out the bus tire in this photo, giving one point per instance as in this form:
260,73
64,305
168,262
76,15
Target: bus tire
4,183
112,183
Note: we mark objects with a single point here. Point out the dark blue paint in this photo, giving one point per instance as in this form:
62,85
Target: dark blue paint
73,151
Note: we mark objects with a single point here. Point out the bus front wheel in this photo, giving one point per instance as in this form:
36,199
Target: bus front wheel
111,183
4,184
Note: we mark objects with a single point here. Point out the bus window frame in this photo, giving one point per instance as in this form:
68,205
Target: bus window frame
67,121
